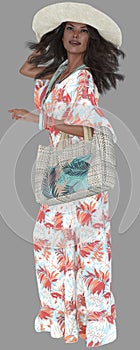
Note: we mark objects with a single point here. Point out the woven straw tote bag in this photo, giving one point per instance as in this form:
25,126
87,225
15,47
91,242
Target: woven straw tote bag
72,171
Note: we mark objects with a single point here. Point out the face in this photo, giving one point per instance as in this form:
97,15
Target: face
75,37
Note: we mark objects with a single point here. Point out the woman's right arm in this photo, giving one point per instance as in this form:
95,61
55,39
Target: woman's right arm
31,70
23,114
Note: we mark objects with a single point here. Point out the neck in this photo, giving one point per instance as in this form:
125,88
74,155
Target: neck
74,61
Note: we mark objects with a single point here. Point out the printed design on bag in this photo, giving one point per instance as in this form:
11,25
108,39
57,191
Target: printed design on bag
68,179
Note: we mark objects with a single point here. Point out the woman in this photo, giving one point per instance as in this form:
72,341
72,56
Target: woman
74,283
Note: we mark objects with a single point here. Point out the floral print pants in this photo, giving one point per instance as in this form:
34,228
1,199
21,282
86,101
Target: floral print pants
72,250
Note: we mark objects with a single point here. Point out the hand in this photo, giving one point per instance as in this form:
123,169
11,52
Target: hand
23,114
32,55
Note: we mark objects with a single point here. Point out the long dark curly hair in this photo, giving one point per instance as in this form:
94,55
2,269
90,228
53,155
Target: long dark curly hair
101,56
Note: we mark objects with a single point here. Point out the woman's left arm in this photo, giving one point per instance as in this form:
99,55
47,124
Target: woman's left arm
68,129
76,130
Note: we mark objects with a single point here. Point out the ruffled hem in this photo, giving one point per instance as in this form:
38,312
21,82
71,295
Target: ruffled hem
95,333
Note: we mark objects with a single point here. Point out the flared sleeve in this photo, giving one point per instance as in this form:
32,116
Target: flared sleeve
39,93
83,108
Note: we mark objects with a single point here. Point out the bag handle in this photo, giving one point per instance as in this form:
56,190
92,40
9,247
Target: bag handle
87,136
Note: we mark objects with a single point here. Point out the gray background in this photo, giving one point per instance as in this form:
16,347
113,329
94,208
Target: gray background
19,296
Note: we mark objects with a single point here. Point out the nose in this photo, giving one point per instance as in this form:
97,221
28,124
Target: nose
75,33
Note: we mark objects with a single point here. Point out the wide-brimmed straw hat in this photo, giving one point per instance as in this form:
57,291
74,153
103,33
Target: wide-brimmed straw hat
51,16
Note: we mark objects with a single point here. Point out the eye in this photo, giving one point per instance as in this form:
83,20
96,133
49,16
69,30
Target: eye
84,30
69,28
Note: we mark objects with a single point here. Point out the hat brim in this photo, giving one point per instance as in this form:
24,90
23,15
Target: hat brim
51,16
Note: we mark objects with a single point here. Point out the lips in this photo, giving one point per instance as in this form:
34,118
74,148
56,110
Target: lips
72,42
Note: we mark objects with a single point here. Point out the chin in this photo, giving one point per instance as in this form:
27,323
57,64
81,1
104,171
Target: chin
75,50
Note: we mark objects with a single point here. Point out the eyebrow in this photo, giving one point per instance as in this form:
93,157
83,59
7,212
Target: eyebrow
73,25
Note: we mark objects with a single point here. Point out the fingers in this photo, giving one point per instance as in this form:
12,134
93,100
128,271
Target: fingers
16,116
18,110
17,113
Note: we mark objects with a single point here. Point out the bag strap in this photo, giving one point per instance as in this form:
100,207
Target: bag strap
87,133
87,136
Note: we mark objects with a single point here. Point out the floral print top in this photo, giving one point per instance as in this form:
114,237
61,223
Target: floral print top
74,100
